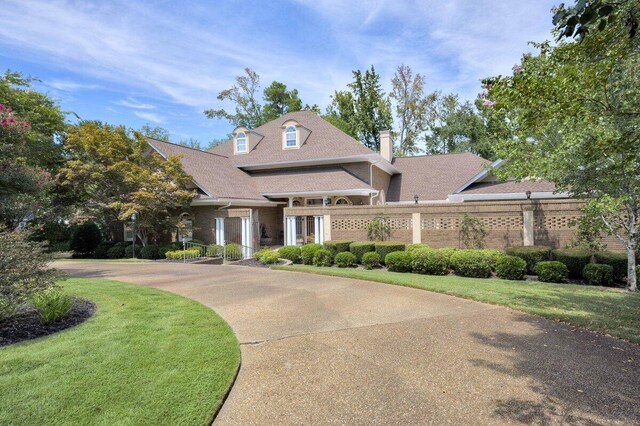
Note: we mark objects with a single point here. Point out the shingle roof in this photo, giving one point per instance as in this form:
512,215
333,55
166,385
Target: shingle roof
325,141
509,187
432,177
307,180
215,174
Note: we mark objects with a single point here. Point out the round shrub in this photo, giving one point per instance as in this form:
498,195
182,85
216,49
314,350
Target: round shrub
575,259
259,253
116,252
233,251
150,251
168,247
429,261
85,239
345,259
383,248
530,254
337,246
359,248
102,250
371,260
551,271
494,255
448,251
269,257
323,257
617,260
598,274
291,253
416,246
128,250
398,261
307,252
511,268
214,250
474,263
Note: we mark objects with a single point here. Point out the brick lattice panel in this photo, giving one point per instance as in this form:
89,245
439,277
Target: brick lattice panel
358,224
490,223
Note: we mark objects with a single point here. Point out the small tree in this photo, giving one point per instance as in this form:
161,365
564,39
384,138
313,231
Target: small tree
472,232
378,229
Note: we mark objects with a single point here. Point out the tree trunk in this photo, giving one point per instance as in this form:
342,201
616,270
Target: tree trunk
632,279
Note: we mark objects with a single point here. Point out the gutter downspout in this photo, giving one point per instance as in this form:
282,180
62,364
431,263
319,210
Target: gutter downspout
225,207
371,197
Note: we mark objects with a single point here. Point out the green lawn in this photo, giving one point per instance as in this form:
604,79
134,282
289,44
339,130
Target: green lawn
145,357
125,260
609,311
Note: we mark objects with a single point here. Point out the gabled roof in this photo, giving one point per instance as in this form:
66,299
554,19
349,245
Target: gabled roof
324,141
432,177
308,181
509,187
213,174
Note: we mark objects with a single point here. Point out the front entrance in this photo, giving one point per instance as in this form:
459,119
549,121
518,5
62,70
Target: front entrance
302,230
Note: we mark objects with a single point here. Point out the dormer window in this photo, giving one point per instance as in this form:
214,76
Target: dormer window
241,142
291,137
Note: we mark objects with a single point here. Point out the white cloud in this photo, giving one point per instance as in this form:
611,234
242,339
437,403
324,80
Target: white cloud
132,103
150,116
68,86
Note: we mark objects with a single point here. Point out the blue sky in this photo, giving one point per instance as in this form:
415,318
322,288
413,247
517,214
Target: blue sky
164,62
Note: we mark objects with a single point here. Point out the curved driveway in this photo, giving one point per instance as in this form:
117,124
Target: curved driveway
327,350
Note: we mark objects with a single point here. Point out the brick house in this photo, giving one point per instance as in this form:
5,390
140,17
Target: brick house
299,179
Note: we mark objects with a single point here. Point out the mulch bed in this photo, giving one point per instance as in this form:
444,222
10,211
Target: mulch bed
25,324
255,263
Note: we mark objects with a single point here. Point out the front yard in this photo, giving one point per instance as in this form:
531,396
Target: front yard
145,357
604,310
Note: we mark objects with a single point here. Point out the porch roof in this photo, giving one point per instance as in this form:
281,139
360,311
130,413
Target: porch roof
310,181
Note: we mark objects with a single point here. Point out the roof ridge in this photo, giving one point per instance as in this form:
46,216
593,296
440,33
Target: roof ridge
187,147
440,154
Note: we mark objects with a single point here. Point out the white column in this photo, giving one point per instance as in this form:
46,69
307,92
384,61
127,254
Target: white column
416,224
220,231
527,228
246,237
327,227
290,231
319,228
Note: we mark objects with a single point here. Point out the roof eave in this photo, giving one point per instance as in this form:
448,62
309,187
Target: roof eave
480,175
371,158
340,192
534,195
242,202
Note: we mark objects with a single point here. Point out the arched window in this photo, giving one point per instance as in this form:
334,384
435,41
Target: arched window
241,142
342,202
291,140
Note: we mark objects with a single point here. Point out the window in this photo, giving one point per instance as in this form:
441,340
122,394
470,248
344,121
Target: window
291,140
342,202
241,142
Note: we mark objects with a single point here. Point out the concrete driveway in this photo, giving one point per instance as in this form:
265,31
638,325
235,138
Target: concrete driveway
326,350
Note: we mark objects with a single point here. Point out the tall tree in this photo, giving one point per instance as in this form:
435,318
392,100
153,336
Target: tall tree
574,115
280,101
244,94
585,16
412,106
156,132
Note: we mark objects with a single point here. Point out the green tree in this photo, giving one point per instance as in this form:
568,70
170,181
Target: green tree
573,112
584,16
244,95
113,173
156,132
191,143
280,101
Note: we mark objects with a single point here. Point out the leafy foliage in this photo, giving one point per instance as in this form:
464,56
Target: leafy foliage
308,251
398,261
472,232
85,239
616,259
473,263
323,257
551,271
371,260
530,254
345,259
280,101
429,261
511,268
598,274
378,229
150,252
337,246
291,253
574,259
586,16
51,305
385,247
359,248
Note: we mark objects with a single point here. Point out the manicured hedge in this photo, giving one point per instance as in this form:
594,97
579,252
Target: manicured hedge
359,248
530,254
268,257
398,261
617,260
150,251
574,259
383,248
476,263
128,250
448,251
371,260
337,246
416,246
307,252
169,247
214,250
115,252
323,257
429,261
511,268
180,254
291,253
102,250
233,251
598,274
345,259
551,271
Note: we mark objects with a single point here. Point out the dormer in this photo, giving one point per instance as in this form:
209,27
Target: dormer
293,134
244,140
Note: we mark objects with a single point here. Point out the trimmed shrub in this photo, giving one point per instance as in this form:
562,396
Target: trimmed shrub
214,250
291,253
115,252
180,254
128,251
370,260
323,257
448,251
398,261
383,248
474,263
258,254
530,254
150,251
598,274
416,246
62,246
168,247
51,305
359,248
617,260
345,259
551,271
429,261
269,257
511,268
233,251
337,246
102,250
85,239
575,260
194,241
307,252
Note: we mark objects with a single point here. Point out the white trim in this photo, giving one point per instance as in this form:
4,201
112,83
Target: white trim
296,132
242,202
220,231
481,175
347,192
246,143
290,231
372,158
507,196
319,229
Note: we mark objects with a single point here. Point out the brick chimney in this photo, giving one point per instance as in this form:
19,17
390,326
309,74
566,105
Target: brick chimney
386,145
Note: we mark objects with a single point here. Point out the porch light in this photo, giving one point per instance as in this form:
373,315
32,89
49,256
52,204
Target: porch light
528,194
415,197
